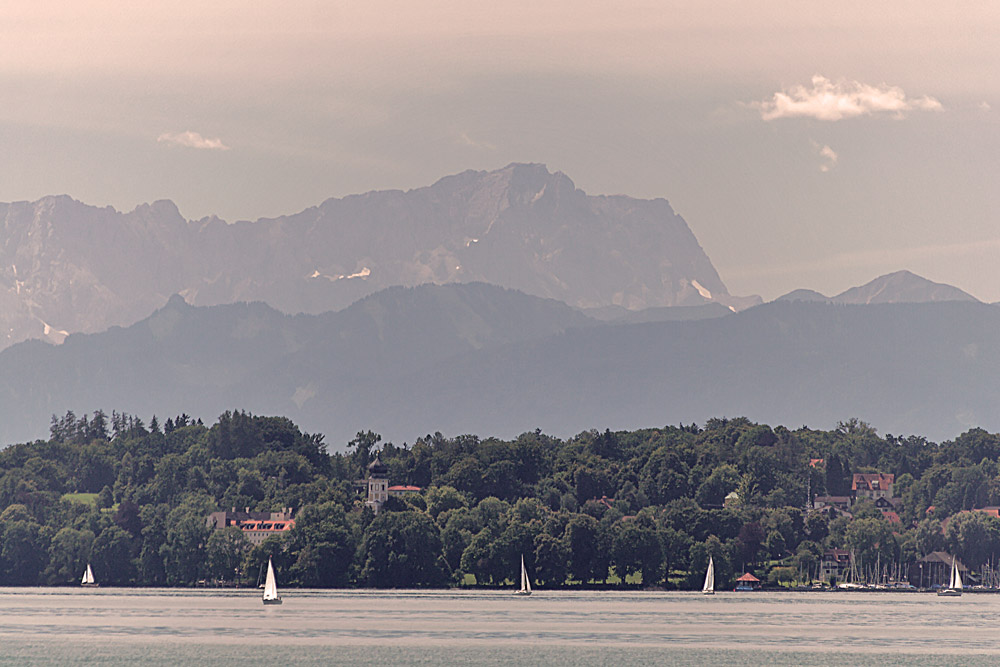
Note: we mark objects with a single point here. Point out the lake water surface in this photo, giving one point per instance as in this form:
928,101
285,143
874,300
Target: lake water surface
197,627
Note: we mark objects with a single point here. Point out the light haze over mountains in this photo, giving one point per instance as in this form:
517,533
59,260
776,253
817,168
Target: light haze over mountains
489,302
68,267
812,144
898,287
475,358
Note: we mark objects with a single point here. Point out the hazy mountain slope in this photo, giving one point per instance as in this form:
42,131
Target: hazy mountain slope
619,315
477,358
203,360
928,369
402,329
902,287
803,295
68,267
898,287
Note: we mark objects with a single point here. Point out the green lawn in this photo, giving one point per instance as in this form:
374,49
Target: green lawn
87,499
82,498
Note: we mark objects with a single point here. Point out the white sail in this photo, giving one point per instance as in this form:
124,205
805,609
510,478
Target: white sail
709,586
525,582
954,588
88,575
270,585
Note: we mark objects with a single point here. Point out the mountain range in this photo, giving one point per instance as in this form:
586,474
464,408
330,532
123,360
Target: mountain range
482,359
898,287
66,267
488,302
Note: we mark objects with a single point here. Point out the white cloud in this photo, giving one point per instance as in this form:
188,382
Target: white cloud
192,140
466,140
832,101
829,156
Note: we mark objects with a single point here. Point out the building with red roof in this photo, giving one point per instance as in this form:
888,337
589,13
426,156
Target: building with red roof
403,489
256,526
258,531
872,485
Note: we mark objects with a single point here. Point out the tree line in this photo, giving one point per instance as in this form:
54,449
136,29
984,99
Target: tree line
645,507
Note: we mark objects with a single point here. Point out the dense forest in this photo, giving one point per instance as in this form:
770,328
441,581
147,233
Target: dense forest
645,507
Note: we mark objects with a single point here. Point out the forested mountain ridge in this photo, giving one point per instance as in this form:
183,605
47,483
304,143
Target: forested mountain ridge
648,506
66,267
190,358
921,367
477,358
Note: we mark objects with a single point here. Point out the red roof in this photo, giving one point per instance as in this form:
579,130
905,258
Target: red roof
875,481
748,577
404,487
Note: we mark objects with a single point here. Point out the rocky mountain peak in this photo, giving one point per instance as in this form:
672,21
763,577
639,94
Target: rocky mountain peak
82,269
161,210
902,287
898,287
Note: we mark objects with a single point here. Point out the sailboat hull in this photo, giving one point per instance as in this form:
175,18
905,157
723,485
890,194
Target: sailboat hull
522,592
275,601
949,592
708,592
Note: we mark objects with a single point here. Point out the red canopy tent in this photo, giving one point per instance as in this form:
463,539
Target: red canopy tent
749,578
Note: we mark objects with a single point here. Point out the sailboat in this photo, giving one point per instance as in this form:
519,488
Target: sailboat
271,587
525,582
954,588
852,583
88,577
709,587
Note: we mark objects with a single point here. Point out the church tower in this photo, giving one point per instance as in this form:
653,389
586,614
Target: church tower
378,484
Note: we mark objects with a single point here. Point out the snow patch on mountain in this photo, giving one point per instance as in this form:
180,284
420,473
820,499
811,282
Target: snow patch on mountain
701,290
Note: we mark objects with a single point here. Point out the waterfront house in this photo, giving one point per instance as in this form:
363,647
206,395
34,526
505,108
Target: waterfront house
834,564
256,526
258,531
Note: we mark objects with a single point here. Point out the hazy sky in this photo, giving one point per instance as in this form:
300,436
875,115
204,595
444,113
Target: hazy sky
808,144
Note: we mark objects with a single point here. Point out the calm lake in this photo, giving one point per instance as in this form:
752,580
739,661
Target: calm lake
119,626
